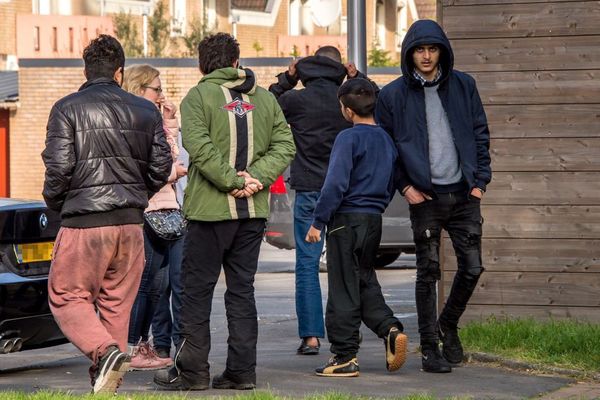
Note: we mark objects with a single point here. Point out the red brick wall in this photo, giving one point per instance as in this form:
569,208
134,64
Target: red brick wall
8,24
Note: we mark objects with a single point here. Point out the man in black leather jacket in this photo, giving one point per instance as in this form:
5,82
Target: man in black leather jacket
105,155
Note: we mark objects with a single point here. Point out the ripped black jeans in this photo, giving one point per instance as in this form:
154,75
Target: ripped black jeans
460,215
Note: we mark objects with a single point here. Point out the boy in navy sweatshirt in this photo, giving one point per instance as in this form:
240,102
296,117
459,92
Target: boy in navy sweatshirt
357,189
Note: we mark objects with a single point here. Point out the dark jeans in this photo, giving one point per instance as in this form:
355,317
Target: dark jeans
354,292
235,245
309,302
460,215
163,258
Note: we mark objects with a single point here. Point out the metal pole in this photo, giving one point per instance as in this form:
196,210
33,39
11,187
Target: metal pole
357,34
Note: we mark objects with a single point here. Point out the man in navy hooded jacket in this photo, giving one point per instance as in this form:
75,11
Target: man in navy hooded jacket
436,118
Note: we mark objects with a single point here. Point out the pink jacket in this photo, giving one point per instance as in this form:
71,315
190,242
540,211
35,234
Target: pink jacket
166,198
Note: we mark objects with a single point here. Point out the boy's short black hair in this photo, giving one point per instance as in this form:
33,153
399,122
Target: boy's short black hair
103,57
329,52
216,51
358,95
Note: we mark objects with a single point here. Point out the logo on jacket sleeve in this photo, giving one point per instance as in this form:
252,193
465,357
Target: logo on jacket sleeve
239,107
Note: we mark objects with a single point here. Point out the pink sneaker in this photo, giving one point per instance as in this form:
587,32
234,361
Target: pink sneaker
144,358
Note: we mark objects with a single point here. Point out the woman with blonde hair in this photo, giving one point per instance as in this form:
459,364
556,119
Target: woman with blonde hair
163,242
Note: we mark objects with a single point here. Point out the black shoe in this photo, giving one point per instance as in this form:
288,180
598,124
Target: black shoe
224,382
111,368
169,379
307,350
434,362
163,352
396,344
339,367
452,349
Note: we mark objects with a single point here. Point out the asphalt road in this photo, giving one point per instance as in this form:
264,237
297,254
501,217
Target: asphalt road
279,369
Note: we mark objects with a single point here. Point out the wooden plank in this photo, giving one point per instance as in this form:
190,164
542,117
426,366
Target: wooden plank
541,222
527,54
477,312
539,87
533,255
522,20
548,188
545,121
562,154
534,288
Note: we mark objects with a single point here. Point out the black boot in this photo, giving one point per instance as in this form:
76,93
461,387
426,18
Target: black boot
456,303
432,360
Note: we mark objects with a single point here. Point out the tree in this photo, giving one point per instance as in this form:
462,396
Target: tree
378,57
295,52
158,30
196,32
127,33
258,47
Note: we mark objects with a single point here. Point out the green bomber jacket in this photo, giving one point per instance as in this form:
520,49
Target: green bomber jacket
230,124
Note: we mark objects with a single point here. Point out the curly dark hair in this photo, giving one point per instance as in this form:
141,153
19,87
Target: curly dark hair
358,95
217,51
103,57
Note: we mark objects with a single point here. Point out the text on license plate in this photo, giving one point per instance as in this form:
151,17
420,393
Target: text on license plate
33,252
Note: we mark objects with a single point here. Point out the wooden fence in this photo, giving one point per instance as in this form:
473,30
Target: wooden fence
537,65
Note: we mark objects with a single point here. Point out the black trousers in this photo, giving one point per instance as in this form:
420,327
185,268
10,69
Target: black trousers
235,245
354,292
460,215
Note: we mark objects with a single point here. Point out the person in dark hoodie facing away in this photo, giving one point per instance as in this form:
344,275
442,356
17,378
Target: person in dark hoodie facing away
315,118
358,187
238,143
438,123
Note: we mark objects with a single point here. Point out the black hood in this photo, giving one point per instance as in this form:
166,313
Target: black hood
315,67
426,32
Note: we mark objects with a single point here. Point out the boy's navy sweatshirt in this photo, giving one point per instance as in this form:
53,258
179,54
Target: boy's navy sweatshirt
360,174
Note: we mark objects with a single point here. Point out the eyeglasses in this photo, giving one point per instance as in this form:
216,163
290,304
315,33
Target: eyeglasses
156,89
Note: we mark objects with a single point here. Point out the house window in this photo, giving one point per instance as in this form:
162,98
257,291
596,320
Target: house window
71,40
36,38
54,39
178,20
380,23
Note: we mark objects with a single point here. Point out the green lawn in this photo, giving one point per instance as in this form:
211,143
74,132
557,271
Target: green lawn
565,344
43,395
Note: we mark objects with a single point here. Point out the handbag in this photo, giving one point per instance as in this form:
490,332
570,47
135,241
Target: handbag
166,224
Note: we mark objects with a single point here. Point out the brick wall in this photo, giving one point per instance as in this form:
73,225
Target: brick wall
39,88
8,26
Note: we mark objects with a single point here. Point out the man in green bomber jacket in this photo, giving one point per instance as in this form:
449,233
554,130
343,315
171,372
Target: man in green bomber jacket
238,142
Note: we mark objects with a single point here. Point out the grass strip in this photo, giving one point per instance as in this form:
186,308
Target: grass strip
256,395
563,344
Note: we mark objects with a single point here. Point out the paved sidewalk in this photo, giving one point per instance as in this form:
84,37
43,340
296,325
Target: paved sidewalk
281,371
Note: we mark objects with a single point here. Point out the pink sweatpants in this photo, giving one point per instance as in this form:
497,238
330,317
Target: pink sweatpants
93,282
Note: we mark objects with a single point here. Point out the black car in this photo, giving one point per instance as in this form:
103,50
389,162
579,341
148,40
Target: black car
27,232
396,235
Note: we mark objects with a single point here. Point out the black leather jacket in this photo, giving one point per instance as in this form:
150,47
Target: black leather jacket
106,154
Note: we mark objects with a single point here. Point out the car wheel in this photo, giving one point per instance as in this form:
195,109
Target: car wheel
385,258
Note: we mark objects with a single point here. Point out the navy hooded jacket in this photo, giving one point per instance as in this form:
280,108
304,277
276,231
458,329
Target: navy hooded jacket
401,112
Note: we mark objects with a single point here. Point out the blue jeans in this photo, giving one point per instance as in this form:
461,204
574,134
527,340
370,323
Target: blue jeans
309,304
151,307
166,320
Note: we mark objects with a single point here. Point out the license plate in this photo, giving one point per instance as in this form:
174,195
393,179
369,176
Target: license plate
33,252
